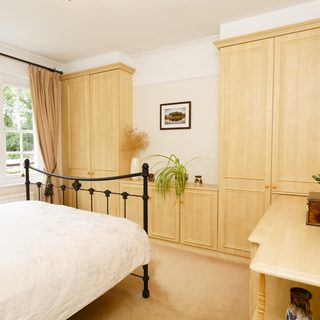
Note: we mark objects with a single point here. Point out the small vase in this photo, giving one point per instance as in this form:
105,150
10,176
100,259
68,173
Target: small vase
135,167
198,180
300,306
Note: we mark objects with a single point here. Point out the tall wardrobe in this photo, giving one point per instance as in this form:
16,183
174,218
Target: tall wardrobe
96,108
269,144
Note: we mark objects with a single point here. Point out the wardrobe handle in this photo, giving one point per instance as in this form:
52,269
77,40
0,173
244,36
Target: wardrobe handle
267,186
274,186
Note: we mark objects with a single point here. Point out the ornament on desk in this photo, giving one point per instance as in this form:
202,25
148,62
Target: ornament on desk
299,308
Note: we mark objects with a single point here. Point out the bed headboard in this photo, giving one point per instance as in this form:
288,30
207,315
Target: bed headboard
76,187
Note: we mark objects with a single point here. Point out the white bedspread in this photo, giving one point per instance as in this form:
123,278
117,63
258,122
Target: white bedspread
54,260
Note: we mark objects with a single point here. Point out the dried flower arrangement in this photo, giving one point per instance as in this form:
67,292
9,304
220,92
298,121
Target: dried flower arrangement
135,141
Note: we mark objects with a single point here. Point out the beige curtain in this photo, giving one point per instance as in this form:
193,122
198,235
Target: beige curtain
46,101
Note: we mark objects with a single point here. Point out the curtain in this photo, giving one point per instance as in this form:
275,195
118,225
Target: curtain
46,100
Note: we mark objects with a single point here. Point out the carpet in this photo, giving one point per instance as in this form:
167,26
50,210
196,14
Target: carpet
183,286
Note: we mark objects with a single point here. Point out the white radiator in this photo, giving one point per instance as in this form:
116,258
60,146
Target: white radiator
14,197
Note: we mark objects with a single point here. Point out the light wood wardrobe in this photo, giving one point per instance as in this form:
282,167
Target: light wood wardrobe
269,114
96,107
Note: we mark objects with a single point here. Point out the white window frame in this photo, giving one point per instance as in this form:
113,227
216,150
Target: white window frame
6,179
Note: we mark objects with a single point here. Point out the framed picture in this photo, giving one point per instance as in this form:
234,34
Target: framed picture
176,115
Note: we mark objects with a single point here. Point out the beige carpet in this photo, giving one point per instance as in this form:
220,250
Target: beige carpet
183,286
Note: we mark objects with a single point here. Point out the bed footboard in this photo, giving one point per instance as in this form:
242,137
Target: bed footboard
47,189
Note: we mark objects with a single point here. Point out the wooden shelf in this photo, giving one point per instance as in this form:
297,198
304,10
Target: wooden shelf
287,252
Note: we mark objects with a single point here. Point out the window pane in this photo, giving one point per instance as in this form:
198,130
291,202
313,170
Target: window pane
12,156
26,120
13,164
25,98
10,106
19,127
9,118
9,96
29,156
12,141
27,141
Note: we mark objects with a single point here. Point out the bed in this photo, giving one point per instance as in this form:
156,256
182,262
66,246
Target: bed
57,259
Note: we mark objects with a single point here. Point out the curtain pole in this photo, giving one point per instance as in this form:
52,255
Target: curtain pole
29,62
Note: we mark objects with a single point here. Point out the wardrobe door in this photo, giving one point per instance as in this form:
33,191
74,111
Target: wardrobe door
104,122
76,124
296,153
245,141
76,134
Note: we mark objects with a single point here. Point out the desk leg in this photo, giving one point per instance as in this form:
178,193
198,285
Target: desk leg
261,296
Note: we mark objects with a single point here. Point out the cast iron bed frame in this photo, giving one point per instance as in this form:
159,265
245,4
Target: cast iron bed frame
76,186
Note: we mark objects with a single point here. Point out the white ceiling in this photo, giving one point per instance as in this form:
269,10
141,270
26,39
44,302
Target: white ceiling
66,31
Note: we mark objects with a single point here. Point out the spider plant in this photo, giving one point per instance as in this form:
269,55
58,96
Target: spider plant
173,169
316,177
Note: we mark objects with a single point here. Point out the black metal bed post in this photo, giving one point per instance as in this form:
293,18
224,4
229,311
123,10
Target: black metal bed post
27,180
145,174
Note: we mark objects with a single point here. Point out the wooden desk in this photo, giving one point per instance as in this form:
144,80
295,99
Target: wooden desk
286,253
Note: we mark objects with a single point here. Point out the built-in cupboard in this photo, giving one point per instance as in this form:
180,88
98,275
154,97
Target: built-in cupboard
96,108
269,109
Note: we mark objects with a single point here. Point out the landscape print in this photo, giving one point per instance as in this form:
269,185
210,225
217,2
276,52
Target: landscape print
175,115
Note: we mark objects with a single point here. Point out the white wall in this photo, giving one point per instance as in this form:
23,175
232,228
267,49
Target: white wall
200,140
290,15
187,72
97,61
184,61
20,69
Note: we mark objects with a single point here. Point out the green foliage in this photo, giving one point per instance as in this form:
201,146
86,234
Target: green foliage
173,169
8,118
27,139
26,120
13,156
12,141
17,114
316,177
9,99
25,98
13,99
9,96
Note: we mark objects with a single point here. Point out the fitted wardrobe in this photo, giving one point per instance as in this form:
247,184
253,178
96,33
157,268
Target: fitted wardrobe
269,142
96,108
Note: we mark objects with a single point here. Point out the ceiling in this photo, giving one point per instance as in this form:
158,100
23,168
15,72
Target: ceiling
66,31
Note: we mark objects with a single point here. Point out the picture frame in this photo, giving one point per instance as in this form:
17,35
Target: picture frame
175,115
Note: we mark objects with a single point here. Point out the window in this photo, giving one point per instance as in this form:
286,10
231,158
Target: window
18,138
